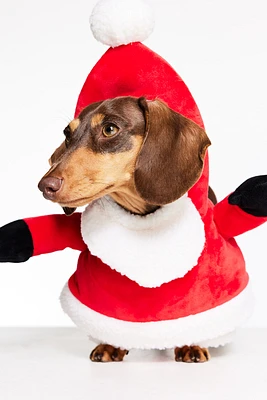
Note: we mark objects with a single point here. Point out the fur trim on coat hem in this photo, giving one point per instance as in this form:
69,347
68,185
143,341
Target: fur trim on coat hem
210,328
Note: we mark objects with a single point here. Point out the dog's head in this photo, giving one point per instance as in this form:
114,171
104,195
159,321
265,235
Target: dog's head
126,145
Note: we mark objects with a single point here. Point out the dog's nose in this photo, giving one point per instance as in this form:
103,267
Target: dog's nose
50,185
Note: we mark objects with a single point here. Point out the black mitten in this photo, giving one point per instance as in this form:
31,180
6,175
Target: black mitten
251,196
16,243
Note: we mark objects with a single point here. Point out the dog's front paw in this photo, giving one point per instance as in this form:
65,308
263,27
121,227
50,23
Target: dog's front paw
191,354
107,353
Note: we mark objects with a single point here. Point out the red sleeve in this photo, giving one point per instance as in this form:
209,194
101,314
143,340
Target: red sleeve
231,221
55,232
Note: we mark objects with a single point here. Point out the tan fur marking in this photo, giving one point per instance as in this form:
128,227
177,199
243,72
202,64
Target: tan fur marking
74,124
97,119
128,198
89,175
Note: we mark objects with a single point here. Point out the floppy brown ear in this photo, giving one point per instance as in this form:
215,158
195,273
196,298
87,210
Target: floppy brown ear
171,158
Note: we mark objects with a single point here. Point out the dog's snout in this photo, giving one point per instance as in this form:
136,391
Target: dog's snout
50,185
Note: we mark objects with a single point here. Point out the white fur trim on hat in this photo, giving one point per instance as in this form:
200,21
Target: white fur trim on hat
209,329
150,250
117,22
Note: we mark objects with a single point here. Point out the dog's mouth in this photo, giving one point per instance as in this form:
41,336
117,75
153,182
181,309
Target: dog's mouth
53,190
70,206
69,210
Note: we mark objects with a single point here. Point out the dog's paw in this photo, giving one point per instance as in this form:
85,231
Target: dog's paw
191,354
107,353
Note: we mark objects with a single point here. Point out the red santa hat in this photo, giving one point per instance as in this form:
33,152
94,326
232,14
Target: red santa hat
129,68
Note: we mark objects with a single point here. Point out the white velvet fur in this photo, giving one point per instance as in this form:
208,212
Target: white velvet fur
150,250
211,328
117,22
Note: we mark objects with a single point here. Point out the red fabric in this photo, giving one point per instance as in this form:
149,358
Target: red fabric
55,232
219,276
135,70
232,221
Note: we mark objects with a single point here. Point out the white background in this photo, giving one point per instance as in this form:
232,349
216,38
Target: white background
47,50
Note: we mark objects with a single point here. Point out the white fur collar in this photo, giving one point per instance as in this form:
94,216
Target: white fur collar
152,249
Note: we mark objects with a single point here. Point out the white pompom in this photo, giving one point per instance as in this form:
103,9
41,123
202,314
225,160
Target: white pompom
117,22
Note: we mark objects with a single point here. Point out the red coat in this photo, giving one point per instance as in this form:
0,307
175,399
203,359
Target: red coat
170,279
208,302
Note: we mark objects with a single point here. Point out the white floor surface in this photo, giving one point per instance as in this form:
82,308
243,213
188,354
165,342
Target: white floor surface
53,364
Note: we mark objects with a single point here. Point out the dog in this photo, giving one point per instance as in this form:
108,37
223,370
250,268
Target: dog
140,153
159,266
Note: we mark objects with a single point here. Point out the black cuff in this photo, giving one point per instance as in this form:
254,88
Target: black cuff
16,243
251,196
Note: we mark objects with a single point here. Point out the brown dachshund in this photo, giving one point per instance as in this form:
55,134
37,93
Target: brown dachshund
108,151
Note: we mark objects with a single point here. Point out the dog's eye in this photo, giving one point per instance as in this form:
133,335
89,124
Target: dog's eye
67,133
110,130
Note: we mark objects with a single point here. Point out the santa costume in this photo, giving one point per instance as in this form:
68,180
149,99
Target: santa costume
173,277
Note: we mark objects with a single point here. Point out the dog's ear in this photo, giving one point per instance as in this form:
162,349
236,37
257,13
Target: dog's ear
172,155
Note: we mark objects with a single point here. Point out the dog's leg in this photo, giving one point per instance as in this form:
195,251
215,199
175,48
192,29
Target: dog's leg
107,353
191,354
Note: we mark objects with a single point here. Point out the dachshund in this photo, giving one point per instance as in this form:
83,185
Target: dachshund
107,151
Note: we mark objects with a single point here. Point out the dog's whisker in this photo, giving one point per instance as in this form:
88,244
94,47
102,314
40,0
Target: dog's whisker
63,117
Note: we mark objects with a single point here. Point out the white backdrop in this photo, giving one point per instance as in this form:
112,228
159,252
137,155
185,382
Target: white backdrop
47,50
